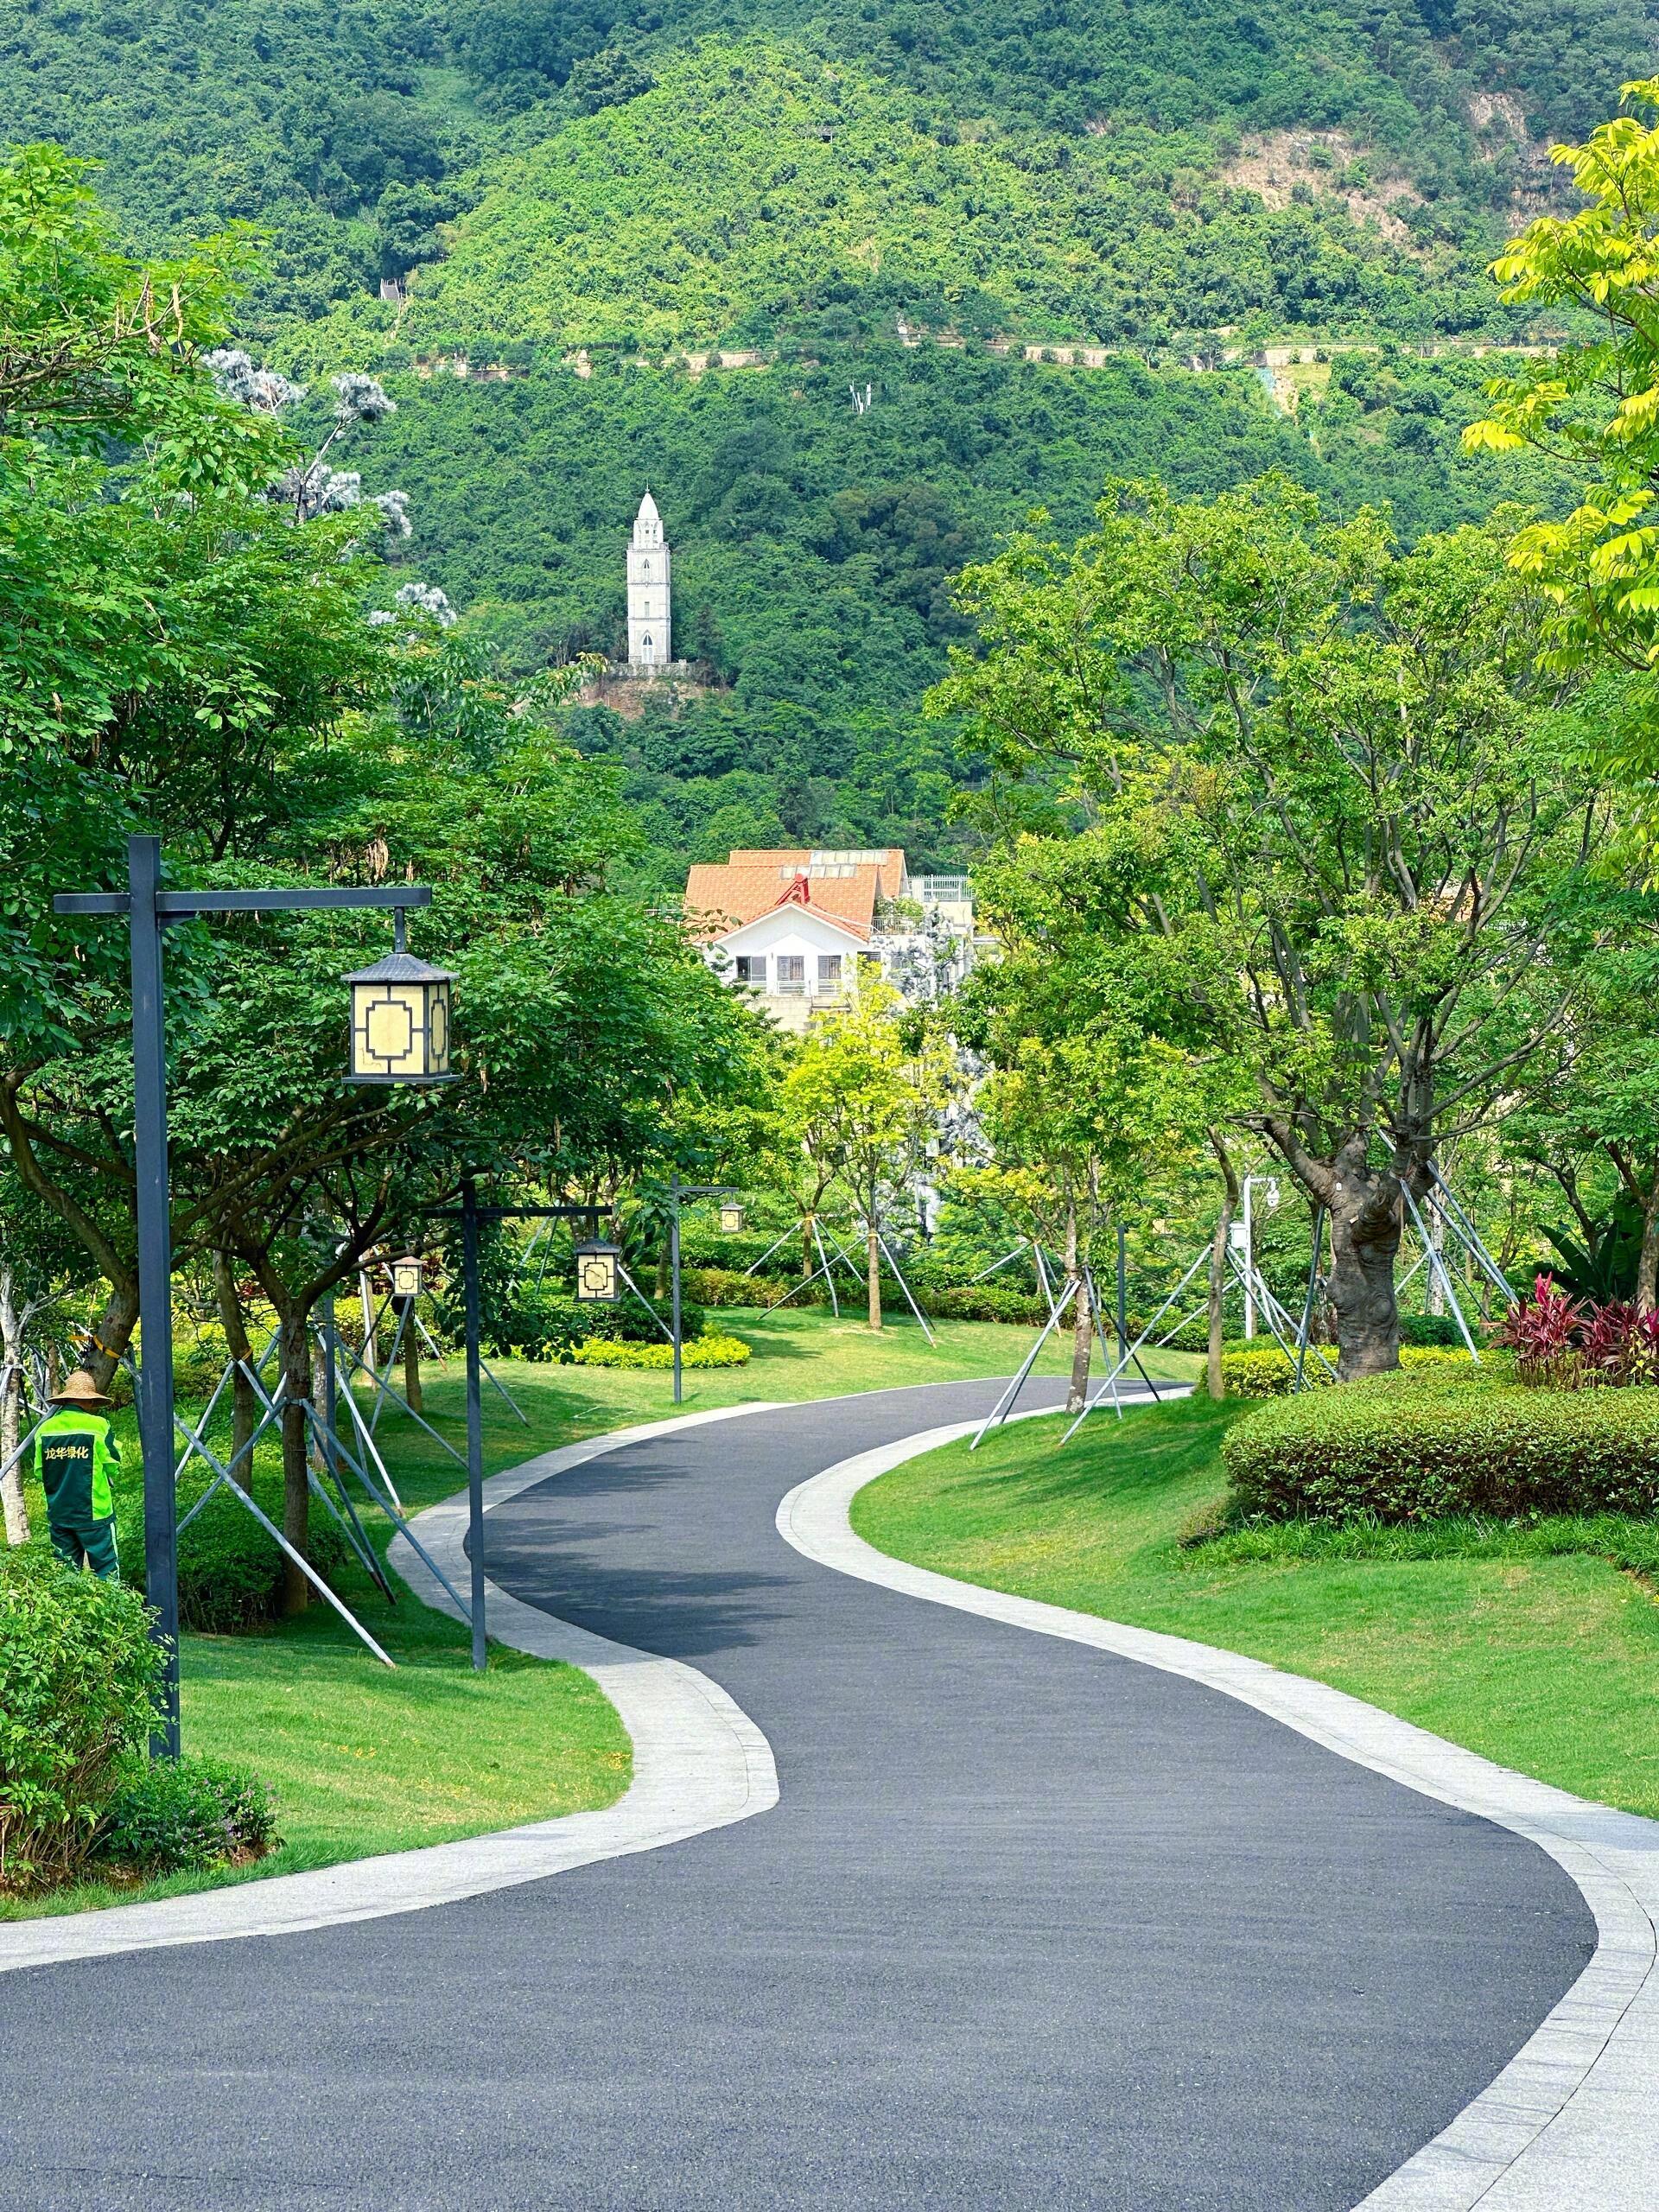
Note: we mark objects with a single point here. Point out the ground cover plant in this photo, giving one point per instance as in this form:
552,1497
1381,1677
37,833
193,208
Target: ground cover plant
1535,1641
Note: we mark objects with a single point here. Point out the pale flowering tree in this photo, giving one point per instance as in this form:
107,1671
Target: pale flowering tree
312,487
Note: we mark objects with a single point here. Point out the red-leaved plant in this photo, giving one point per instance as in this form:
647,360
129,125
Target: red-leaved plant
1568,1344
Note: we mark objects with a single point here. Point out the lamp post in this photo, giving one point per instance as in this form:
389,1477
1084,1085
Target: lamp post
148,909
1270,1184
676,1190
470,1214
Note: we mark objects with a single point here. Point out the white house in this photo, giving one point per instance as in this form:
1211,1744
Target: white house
798,927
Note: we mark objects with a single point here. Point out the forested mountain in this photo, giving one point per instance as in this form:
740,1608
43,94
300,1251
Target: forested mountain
813,544
591,197
353,131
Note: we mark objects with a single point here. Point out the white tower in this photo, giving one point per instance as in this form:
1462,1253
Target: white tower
648,601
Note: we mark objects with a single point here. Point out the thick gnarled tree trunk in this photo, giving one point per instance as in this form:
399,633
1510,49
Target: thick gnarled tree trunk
1364,1206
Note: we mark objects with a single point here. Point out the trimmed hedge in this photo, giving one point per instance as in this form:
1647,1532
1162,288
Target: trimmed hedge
1264,1371
986,1302
1418,1446
550,1324
700,1351
729,1286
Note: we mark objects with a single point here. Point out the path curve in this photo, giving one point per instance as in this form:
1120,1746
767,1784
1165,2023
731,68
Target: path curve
1574,2119
1030,1925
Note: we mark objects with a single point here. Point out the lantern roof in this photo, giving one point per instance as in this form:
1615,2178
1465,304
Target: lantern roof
401,968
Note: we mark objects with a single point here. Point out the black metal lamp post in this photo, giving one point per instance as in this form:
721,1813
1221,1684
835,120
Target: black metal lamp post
148,909
470,1214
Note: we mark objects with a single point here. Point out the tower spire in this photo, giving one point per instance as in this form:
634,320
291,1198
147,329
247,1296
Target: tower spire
649,614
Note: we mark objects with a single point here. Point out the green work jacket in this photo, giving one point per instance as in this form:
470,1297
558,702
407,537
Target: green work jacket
76,1452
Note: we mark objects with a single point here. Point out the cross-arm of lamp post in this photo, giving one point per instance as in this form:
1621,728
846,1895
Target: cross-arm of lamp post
180,905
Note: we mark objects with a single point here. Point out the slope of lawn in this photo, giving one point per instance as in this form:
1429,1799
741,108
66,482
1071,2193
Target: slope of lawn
363,1760
1525,1643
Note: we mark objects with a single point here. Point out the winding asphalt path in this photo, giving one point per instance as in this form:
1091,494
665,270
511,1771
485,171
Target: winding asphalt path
1030,1927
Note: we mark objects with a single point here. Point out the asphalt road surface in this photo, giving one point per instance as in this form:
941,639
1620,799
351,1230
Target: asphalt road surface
1032,1927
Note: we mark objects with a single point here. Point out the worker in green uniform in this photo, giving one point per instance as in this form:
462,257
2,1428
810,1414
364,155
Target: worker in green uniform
76,1457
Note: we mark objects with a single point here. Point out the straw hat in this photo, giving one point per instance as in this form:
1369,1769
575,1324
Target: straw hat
78,1388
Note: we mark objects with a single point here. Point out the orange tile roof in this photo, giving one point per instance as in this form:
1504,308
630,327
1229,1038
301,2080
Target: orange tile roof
889,862
722,896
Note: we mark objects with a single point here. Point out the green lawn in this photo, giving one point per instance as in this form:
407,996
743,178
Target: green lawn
1527,1644
363,1760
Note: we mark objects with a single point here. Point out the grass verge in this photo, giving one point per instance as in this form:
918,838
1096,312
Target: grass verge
362,1760
1534,1643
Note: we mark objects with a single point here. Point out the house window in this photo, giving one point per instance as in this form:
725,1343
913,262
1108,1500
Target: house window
751,968
792,973
829,971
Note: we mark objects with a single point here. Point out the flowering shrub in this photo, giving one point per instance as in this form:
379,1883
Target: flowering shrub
187,1813
1568,1344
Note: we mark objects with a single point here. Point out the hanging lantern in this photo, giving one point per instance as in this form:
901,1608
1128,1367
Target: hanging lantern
406,1278
599,1281
400,1019
731,1220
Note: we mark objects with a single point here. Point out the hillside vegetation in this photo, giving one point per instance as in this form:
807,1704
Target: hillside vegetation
755,182
612,186
813,545
1062,160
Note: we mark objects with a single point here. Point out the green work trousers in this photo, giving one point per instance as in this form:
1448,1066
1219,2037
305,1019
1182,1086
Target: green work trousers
90,1544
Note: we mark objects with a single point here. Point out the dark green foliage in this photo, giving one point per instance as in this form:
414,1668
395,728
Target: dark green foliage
1431,1329
550,1322
229,1571
1414,1447
730,1286
986,1301
78,1679
1600,1263
185,1817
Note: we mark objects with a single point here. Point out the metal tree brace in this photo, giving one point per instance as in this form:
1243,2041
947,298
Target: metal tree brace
337,1458
825,1270
1057,1302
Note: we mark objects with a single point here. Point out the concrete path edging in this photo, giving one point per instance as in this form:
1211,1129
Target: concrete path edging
699,1762
1573,2117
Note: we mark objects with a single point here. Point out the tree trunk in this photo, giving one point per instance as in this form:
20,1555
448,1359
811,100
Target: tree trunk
1364,1210
1647,1266
1213,1382
14,1511
809,1257
245,1404
296,1488
1082,1335
113,1334
874,1263
665,1285
412,1397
